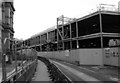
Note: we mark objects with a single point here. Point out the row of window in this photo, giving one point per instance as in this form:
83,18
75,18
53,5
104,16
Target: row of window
7,14
84,27
87,26
75,44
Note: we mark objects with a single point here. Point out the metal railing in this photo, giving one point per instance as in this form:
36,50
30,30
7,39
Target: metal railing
24,62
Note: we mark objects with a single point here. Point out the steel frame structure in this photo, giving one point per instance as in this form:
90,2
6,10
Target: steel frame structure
79,33
65,27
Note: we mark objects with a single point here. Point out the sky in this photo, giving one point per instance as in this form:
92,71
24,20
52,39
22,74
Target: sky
34,16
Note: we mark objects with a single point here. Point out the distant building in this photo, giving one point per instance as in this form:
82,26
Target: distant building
6,26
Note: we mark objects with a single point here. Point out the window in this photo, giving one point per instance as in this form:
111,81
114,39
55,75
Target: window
110,23
90,43
89,26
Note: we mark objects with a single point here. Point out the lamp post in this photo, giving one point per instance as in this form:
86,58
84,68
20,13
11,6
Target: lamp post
3,66
25,55
21,56
3,60
15,55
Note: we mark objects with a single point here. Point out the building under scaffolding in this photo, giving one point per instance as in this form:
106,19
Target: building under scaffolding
90,40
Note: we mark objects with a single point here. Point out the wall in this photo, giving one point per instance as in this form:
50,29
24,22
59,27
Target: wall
91,56
78,56
112,56
4,32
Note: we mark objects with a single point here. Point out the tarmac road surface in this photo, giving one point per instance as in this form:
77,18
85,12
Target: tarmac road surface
80,74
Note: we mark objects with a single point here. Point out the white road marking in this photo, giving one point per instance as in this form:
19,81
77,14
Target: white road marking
83,76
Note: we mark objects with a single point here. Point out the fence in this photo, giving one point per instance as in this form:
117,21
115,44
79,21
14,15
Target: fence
22,68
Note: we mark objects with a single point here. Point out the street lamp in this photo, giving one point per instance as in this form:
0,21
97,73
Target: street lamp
3,60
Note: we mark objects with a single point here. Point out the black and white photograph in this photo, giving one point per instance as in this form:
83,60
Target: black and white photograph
59,41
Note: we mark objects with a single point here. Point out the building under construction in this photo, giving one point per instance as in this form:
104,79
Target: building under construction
90,40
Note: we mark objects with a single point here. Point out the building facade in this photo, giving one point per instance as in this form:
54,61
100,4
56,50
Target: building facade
90,40
6,27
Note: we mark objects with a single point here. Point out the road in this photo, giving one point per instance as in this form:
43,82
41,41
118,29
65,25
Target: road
80,74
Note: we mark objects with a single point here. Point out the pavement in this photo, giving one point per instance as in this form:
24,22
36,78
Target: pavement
41,73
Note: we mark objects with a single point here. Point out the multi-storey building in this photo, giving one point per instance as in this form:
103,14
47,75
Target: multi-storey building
93,39
6,26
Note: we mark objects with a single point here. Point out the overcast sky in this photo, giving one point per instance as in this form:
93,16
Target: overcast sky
34,16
